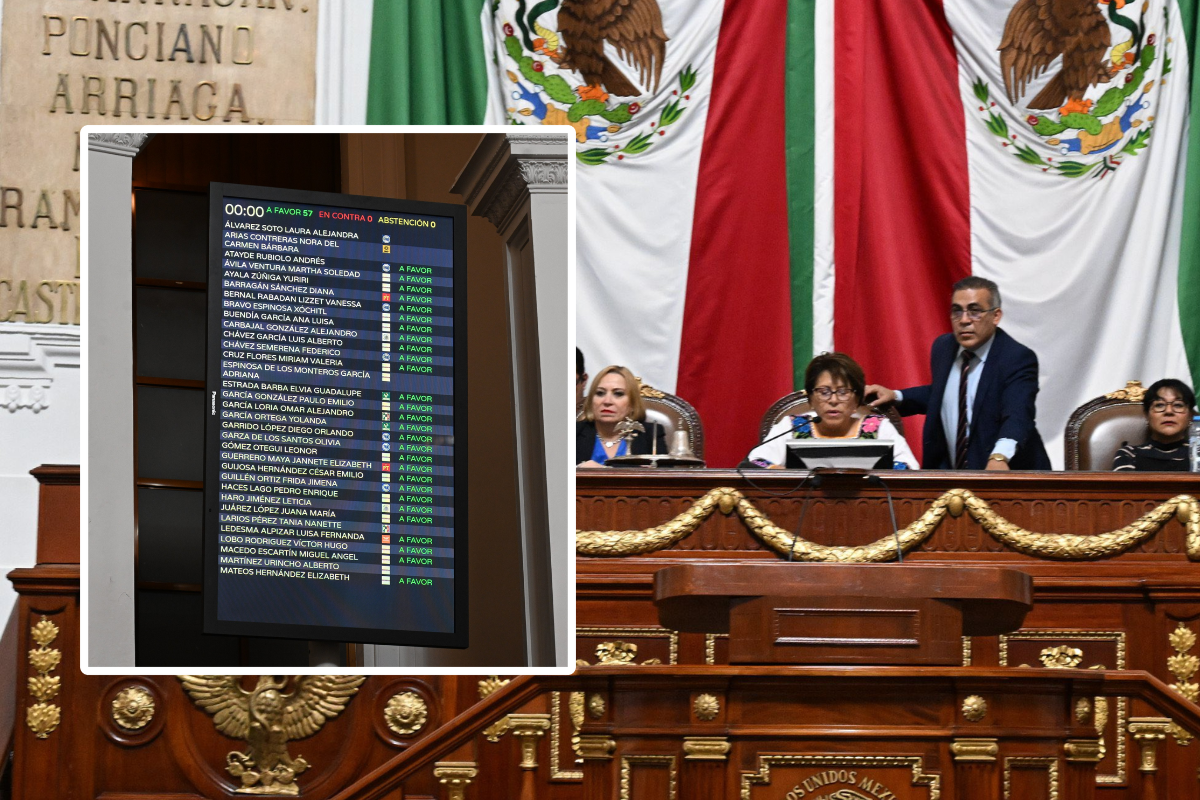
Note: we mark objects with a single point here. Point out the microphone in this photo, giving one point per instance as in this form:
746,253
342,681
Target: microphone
814,483
813,477
875,480
747,463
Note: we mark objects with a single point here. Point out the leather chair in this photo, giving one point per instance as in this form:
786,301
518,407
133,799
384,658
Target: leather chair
797,403
673,413
1097,428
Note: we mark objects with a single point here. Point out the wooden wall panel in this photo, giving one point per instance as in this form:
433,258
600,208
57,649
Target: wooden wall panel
286,160
375,165
1119,612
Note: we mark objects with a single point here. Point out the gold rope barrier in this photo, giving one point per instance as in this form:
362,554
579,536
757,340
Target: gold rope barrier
632,543
1061,546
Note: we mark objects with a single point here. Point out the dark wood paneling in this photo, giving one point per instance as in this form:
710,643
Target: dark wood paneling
58,514
285,160
1118,612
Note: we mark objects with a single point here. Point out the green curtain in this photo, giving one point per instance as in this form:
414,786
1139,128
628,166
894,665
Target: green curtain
427,63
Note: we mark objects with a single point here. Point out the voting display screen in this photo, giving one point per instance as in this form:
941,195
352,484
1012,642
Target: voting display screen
334,492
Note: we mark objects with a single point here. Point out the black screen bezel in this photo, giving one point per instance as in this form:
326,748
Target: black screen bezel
458,638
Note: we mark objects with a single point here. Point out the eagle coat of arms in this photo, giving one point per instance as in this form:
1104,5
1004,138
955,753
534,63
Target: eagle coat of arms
1103,64
593,65
267,718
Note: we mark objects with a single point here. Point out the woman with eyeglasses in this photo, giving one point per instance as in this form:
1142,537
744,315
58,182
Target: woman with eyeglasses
835,385
1168,406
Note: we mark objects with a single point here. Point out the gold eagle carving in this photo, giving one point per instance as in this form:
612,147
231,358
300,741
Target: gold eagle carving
267,718
633,27
1039,31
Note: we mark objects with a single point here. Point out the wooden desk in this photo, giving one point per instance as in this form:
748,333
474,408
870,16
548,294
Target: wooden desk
77,737
1117,611
846,510
823,614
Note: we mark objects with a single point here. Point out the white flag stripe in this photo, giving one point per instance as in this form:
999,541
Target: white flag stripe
493,114
635,209
1087,266
635,216
823,110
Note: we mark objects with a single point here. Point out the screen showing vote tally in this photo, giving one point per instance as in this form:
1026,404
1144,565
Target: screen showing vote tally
331,409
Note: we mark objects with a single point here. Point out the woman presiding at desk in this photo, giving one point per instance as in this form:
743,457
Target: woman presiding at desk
835,384
615,395
1168,406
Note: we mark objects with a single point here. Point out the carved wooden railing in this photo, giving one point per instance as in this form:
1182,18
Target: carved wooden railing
1114,560
453,753
692,728
50,590
1055,516
663,732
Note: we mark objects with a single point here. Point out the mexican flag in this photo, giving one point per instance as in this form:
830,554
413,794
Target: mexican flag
752,193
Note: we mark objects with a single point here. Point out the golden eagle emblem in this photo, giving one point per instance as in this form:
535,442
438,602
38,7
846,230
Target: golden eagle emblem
1097,108
633,27
593,65
267,718
1039,31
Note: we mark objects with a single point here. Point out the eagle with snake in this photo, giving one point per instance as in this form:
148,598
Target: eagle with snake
266,718
634,28
1039,31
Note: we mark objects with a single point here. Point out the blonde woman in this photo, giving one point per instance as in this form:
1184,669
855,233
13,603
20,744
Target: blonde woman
613,396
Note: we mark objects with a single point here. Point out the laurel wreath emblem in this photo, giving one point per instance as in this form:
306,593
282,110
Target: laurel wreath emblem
1112,117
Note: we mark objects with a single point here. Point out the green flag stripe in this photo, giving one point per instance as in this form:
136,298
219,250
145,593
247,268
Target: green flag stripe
799,151
427,64
1187,16
1189,245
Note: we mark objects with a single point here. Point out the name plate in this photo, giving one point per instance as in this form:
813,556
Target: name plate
839,777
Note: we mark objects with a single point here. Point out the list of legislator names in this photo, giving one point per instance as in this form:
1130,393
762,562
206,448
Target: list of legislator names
335,417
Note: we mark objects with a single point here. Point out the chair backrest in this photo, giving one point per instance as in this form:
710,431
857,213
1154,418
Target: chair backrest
1097,428
797,403
673,413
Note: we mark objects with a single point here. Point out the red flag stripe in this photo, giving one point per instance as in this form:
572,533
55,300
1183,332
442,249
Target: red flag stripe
735,357
901,192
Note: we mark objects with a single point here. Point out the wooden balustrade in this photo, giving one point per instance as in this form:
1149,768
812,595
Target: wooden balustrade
1114,584
1092,697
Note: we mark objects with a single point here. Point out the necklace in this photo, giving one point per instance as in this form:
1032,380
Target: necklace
611,444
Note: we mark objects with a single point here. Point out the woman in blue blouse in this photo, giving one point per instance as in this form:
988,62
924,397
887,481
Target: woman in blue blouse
615,395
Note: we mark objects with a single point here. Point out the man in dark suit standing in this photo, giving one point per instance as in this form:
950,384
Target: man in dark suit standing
981,407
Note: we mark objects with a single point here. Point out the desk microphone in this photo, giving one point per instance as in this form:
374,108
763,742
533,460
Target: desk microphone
746,462
875,480
814,483
812,477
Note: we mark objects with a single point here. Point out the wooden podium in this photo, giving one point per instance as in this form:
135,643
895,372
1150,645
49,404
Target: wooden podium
676,723
870,614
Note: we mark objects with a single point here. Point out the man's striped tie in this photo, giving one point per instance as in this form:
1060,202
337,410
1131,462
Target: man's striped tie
960,451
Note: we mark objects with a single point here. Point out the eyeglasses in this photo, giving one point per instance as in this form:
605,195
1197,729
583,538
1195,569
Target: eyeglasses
824,392
973,314
1160,406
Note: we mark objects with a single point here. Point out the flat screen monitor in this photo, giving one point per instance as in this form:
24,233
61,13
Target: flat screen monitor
335,459
839,454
